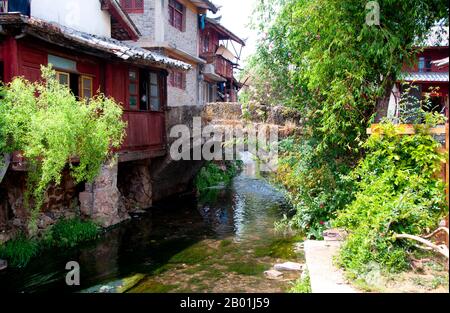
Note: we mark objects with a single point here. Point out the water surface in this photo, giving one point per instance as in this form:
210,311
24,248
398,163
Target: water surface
222,242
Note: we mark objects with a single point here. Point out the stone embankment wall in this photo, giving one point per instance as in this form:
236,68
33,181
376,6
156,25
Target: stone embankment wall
289,120
61,201
128,187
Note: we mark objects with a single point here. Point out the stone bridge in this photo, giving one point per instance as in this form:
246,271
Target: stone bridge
171,176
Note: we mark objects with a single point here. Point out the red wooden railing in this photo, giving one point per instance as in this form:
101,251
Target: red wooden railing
145,131
224,67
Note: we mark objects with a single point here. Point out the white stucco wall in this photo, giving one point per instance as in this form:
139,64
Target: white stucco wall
83,15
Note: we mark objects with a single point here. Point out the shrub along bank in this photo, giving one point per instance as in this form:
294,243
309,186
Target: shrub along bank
396,191
66,233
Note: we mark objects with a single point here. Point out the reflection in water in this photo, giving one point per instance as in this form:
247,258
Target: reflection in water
244,211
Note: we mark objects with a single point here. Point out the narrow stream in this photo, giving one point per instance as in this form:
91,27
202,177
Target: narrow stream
222,242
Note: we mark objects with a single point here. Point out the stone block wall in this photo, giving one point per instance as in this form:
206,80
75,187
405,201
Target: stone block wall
60,201
145,22
135,185
186,40
177,97
100,201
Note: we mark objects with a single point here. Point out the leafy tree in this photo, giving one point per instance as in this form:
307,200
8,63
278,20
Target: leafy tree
52,128
338,72
340,68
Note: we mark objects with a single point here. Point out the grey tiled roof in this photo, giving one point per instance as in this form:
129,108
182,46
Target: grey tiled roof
425,77
68,37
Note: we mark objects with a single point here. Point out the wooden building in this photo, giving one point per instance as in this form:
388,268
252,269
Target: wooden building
215,44
428,74
135,77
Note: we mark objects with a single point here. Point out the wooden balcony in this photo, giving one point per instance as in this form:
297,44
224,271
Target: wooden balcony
224,67
145,135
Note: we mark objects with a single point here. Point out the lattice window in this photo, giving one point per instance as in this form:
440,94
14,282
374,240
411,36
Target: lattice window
176,15
133,6
177,79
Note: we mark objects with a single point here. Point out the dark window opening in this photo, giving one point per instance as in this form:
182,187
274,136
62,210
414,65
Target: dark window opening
145,90
80,85
74,84
424,64
210,92
435,104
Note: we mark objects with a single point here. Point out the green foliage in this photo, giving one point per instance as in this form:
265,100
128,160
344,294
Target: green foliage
326,62
333,66
19,251
317,187
302,285
68,233
212,175
265,86
397,191
50,126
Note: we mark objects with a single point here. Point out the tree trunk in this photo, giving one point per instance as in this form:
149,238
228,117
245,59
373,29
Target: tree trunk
383,102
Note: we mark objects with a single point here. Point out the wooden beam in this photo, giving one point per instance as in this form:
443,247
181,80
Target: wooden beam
447,178
129,156
405,129
11,59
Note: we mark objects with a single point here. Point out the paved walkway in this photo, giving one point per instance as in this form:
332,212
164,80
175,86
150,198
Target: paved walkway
324,276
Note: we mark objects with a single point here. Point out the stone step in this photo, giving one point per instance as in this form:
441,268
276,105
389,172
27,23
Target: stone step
325,277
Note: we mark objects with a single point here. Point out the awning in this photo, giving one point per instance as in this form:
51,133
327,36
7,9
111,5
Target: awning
224,33
205,4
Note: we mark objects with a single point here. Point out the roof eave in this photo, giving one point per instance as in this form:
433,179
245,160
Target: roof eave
76,40
206,4
225,31
124,19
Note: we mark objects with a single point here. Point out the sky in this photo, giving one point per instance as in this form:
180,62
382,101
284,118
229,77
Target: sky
236,17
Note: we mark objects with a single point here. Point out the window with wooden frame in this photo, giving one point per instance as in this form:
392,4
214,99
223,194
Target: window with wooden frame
145,90
176,15
155,92
86,87
424,65
133,89
63,78
177,79
133,6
